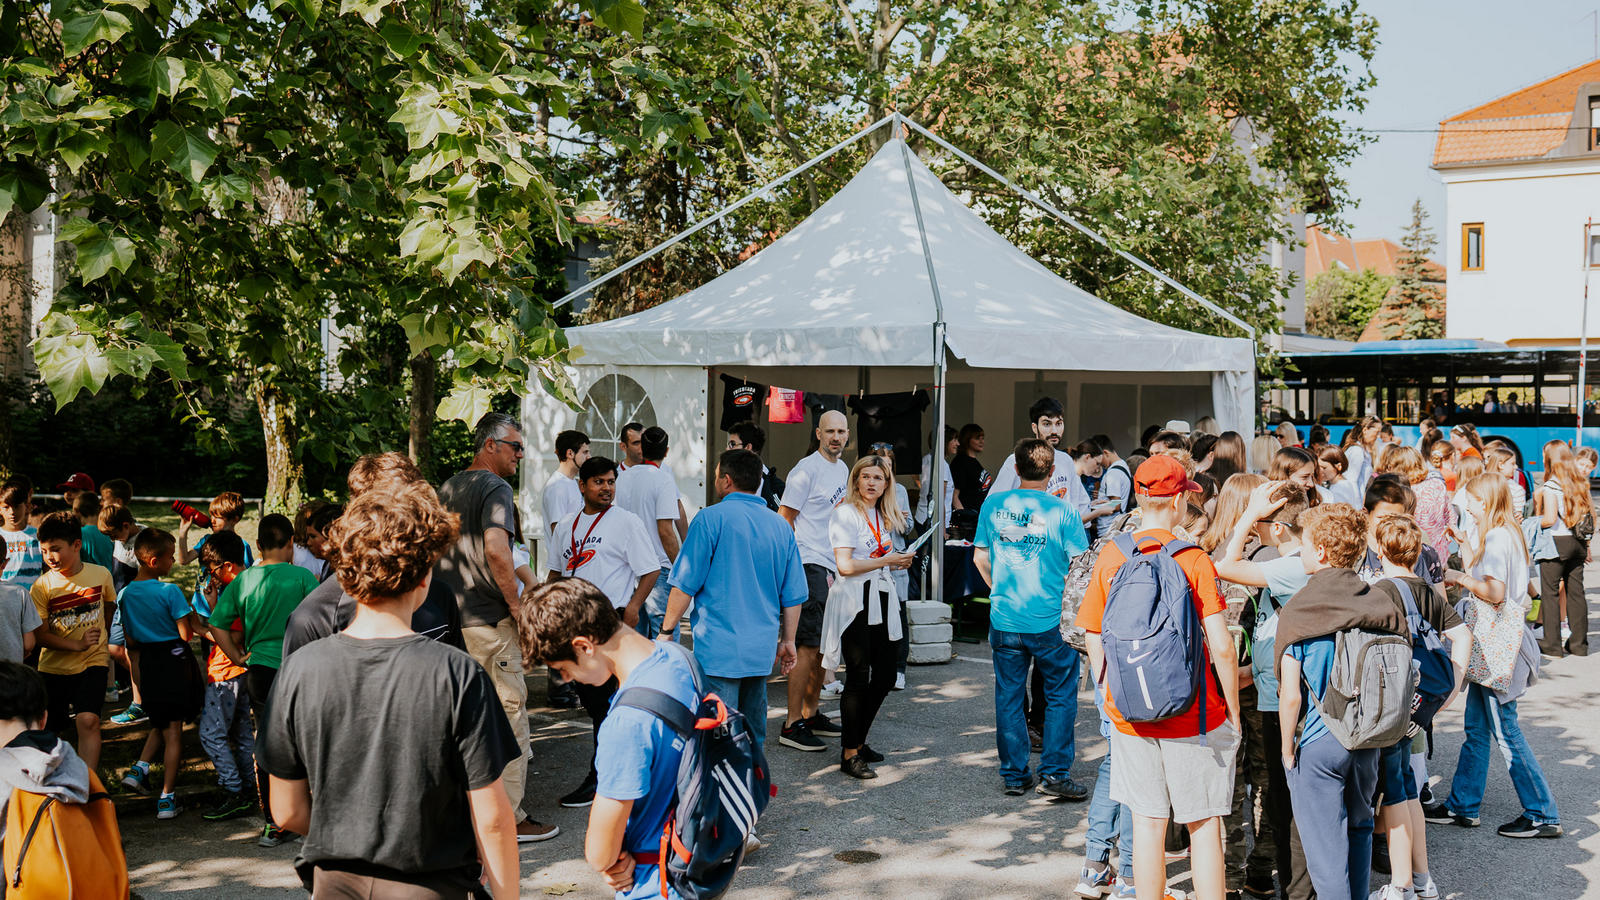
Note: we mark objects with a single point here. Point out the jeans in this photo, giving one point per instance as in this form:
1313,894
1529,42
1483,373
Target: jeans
226,733
1251,849
1566,568
1109,821
1487,718
749,696
655,607
1331,789
1058,662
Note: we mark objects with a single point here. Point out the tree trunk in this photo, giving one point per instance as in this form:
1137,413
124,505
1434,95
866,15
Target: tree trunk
285,475
424,379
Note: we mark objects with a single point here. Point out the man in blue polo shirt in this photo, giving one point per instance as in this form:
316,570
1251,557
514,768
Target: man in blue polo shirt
741,567
1026,540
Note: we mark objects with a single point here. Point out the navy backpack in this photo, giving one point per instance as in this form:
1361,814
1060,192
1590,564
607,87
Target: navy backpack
723,787
1154,642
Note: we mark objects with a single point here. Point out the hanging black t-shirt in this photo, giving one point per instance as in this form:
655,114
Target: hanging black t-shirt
821,403
891,419
328,610
971,480
740,400
390,734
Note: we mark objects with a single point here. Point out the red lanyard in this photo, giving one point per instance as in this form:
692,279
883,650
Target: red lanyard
576,560
877,534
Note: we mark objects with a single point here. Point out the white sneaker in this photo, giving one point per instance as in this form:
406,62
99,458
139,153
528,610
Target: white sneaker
1390,892
1428,891
900,681
1566,631
752,844
832,689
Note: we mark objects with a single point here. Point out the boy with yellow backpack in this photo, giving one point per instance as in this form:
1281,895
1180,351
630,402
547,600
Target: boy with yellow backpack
60,834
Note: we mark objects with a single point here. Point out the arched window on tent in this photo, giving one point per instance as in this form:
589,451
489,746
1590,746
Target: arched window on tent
612,402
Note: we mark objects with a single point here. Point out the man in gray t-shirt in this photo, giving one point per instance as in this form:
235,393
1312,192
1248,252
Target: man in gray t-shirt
479,570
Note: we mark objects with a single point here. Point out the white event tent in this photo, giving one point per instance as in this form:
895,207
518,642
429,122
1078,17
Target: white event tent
893,284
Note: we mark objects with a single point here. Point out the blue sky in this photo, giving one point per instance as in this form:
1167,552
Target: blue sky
1438,58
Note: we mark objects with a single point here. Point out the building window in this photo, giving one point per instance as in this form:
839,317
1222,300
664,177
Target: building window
1594,248
1594,123
1472,247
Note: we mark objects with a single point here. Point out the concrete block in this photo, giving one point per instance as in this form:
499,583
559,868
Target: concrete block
927,612
931,634
928,654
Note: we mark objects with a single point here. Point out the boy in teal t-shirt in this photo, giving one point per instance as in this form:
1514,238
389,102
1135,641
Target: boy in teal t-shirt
24,561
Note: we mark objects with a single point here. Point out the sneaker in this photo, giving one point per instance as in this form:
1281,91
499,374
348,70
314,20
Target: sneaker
167,807
531,832
273,836
856,767
1428,890
1018,788
1524,827
1124,891
832,690
1566,632
1095,880
1063,788
583,796
822,726
1390,892
133,715
1261,887
112,695
1440,814
869,754
1035,739
136,781
799,737
752,843
232,805
1425,795
900,681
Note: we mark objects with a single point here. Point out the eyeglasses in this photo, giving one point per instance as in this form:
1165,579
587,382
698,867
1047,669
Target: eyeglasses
515,444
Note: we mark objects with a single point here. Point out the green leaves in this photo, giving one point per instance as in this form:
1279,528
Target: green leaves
212,82
81,32
98,251
424,114
23,186
70,363
188,150
468,402
621,16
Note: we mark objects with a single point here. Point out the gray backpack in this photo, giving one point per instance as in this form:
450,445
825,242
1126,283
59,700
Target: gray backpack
1370,687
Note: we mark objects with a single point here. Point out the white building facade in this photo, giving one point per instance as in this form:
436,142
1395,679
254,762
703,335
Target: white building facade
1522,177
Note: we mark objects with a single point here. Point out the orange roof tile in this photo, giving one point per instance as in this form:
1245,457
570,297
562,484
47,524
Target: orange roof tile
1525,124
1324,249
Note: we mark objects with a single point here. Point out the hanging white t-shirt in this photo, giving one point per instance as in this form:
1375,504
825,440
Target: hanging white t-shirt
651,493
609,550
1505,559
1064,481
814,488
561,498
947,487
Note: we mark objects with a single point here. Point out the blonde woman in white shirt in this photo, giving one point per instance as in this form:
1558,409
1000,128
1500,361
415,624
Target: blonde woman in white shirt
861,627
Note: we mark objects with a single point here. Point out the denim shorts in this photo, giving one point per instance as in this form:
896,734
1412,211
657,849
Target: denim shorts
1394,774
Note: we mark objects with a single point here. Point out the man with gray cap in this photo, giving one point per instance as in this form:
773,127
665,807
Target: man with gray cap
479,570
816,485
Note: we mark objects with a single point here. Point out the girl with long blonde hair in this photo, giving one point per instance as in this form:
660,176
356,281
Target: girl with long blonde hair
1231,501
1561,504
1497,581
861,625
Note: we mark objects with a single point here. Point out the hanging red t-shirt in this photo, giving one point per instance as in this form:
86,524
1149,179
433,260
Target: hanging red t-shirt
785,406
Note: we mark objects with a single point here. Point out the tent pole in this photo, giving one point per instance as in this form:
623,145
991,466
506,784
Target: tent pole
936,513
721,214
1039,202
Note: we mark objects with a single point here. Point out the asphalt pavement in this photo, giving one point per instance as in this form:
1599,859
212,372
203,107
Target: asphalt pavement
935,823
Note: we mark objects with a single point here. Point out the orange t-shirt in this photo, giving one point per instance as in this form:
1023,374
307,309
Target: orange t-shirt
1471,451
1208,600
219,667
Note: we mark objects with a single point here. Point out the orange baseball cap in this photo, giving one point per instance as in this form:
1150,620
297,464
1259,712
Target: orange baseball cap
1162,476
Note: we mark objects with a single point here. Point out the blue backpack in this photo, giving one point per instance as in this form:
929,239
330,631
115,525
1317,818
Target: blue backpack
1435,671
723,787
1154,642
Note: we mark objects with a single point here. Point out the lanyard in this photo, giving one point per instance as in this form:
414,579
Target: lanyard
877,534
576,560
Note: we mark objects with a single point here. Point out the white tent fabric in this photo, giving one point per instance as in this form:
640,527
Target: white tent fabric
849,287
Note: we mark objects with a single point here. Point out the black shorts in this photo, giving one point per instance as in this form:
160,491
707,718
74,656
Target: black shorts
818,580
83,692
170,683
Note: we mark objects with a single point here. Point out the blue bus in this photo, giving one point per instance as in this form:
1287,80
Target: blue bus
1527,397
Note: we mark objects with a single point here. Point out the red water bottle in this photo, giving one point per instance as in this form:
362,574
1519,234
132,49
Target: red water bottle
190,514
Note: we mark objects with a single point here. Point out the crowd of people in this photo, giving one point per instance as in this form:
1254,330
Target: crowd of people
1218,592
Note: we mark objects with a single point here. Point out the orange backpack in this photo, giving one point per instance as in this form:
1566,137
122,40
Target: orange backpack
64,850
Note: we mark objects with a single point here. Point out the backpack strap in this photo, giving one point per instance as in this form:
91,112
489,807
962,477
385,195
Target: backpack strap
661,705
